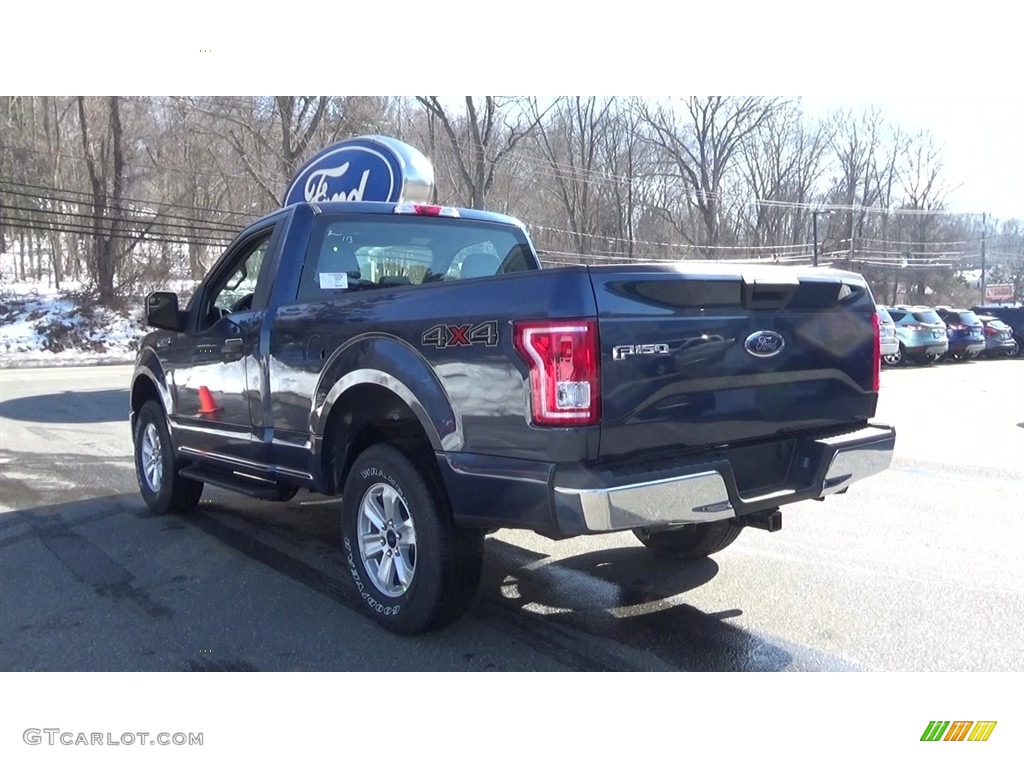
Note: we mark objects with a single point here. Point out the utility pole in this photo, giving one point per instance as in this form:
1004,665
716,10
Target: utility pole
983,228
814,228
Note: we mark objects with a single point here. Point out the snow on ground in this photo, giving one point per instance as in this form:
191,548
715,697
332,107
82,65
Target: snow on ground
41,326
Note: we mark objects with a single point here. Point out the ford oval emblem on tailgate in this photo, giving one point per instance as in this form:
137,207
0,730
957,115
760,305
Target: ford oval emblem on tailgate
764,343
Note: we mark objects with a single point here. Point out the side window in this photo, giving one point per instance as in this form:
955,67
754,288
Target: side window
896,315
235,292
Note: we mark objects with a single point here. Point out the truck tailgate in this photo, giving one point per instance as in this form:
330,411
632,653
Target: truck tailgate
712,354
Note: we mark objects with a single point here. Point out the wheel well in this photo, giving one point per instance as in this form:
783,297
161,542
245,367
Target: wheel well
143,390
363,416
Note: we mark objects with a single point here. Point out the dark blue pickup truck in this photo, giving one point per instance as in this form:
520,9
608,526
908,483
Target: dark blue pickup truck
417,361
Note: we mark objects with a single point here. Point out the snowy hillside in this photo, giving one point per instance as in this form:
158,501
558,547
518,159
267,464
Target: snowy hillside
40,325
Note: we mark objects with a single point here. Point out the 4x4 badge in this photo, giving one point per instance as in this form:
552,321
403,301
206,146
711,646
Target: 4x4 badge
443,336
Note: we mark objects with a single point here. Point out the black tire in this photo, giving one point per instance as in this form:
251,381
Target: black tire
692,541
162,488
420,587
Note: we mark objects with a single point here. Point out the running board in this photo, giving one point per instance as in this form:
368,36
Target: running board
250,486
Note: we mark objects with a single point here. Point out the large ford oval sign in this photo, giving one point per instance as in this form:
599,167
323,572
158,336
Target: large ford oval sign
764,343
370,168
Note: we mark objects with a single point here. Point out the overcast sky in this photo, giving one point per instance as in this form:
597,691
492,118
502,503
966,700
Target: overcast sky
641,47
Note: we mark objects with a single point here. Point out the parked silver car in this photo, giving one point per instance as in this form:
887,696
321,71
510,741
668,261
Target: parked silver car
887,336
999,341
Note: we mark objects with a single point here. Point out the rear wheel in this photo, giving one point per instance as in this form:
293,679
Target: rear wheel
896,358
162,488
691,541
413,568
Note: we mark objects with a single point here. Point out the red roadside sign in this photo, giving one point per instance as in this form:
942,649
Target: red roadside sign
999,292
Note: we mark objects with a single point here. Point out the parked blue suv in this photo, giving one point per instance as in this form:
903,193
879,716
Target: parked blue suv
922,335
965,332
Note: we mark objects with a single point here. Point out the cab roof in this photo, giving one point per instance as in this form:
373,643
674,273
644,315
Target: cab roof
389,208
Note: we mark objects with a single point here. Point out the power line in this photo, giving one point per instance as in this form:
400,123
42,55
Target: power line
670,245
174,206
149,238
48,216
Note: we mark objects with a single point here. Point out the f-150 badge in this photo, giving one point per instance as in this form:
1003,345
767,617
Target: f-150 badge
629,350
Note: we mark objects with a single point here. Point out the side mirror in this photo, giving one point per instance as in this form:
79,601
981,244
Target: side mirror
162,310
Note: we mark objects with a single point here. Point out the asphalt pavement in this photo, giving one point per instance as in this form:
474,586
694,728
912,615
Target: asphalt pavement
920,568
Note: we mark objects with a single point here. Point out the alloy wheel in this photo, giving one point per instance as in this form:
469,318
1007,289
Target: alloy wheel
387,540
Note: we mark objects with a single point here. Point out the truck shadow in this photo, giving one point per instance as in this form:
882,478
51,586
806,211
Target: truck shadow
622,608
613,609
103,405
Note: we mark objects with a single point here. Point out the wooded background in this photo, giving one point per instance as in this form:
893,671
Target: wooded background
122,193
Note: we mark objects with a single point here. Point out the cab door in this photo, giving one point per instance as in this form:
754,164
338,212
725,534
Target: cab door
215,372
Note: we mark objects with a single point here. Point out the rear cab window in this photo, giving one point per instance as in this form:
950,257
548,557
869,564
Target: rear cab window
350,252
927,316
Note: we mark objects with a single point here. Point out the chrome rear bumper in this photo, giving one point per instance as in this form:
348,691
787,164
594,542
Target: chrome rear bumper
708,491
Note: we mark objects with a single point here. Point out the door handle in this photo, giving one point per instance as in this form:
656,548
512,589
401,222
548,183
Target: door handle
232,348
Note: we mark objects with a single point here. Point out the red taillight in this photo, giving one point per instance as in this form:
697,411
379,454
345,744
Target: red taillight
876,382
990,331
564,360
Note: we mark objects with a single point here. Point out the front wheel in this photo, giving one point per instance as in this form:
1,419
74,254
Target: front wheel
691,541
162,488
413,568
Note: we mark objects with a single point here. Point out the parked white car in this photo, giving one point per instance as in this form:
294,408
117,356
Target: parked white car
887,335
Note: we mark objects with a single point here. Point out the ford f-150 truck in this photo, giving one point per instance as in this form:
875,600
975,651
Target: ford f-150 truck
417,361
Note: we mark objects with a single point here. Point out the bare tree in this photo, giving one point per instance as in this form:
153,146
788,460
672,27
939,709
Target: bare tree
105,161
483,137
699,139
924,190
783,163
570,142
